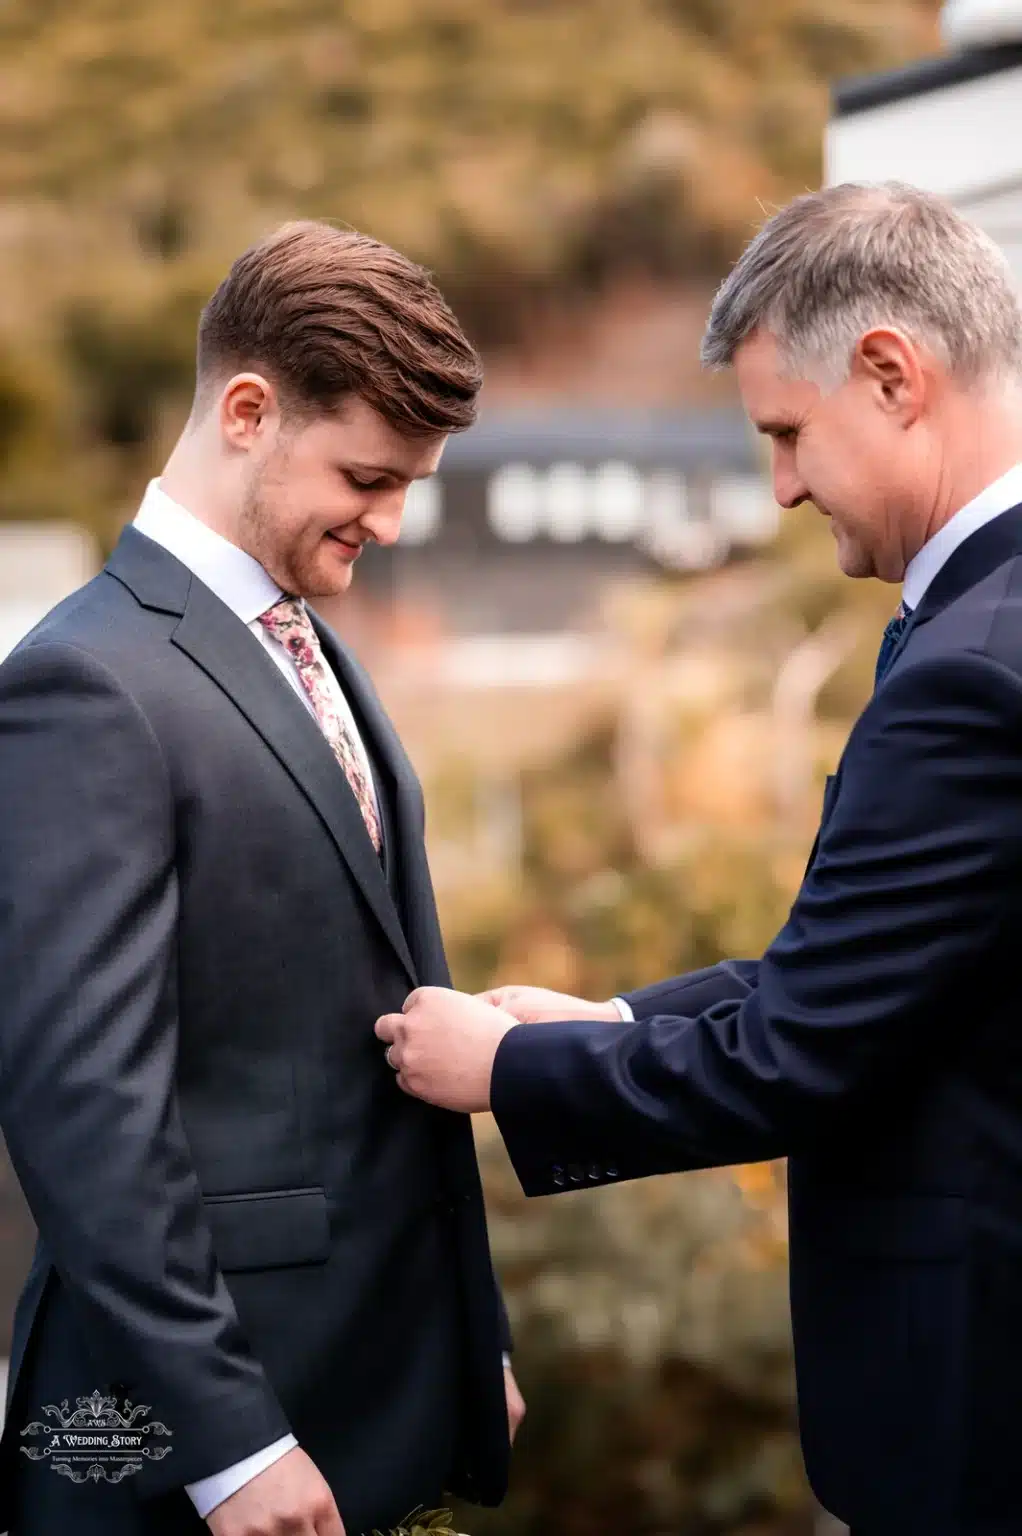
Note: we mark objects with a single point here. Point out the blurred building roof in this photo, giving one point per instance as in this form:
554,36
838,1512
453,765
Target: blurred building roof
863,92
662,439
984,38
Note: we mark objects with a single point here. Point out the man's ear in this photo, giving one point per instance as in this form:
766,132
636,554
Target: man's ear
889,362
248,408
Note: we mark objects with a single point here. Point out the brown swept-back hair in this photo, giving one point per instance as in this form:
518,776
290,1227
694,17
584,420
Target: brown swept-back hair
328,313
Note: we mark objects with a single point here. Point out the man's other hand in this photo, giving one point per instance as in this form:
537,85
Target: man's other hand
536,1005
443,1045
290,1498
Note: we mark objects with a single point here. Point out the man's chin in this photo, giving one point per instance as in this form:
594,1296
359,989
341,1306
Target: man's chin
852,559
330,577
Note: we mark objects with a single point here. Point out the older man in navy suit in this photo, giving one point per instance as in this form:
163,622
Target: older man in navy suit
877,341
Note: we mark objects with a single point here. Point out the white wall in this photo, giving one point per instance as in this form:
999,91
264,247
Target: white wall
40,563
1000,214
963,141
954,140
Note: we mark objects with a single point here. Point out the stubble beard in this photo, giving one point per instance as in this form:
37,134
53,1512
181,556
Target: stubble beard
255,528
293,568
260,530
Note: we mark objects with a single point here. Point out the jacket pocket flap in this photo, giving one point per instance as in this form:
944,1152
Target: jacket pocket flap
269,1230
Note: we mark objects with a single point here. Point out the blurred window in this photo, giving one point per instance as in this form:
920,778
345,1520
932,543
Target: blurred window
424,511
515,497
566,503
676,531
743,510
617,502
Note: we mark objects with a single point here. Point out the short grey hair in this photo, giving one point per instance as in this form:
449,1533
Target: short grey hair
834,264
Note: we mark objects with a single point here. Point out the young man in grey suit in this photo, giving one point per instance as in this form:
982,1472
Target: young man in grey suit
212,881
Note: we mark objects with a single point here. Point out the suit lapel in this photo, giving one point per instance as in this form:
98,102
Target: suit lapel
411,867
829,792
218,642
976,557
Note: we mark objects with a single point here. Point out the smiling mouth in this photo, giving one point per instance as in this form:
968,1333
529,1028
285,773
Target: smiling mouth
354,549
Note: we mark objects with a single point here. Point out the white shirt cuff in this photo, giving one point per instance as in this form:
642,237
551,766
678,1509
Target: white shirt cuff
507,1360
208,1492
624,1009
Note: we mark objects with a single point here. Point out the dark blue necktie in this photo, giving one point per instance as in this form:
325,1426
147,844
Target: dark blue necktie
892,639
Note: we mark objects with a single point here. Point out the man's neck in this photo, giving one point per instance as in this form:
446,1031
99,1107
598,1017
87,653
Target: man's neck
190,480
985,441
991,501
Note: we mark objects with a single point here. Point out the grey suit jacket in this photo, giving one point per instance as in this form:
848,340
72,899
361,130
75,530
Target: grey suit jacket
256,1229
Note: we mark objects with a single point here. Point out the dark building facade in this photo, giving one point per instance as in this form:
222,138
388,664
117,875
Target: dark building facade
531,513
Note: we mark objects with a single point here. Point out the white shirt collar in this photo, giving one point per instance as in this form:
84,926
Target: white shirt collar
1004,494
237,579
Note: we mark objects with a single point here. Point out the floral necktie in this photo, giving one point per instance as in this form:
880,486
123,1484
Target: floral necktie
289,622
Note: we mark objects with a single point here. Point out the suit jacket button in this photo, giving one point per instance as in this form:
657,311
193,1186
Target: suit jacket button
612,1173
595,1172
558,1176
575,1173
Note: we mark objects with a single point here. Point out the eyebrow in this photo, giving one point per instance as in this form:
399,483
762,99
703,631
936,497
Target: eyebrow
386,469
771,427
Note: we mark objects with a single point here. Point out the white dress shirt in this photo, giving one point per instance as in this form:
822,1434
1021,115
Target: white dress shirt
1000,497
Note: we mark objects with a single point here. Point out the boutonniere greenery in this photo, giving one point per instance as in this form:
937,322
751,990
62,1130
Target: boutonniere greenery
424,1522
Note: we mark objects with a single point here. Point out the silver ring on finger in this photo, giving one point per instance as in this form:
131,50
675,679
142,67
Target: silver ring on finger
386,1057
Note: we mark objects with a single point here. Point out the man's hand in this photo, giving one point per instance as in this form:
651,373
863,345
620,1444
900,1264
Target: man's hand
515,1403
442,1047
535,1005
289,1499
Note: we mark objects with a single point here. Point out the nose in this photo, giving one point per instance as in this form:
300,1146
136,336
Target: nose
789,489
383,520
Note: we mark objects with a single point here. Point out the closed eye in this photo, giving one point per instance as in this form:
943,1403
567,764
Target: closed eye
780,431
375,484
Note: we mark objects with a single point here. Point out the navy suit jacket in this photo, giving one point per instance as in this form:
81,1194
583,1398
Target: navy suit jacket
878,1045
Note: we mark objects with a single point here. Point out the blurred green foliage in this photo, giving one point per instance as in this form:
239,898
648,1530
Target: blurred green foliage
531,151
652,1348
